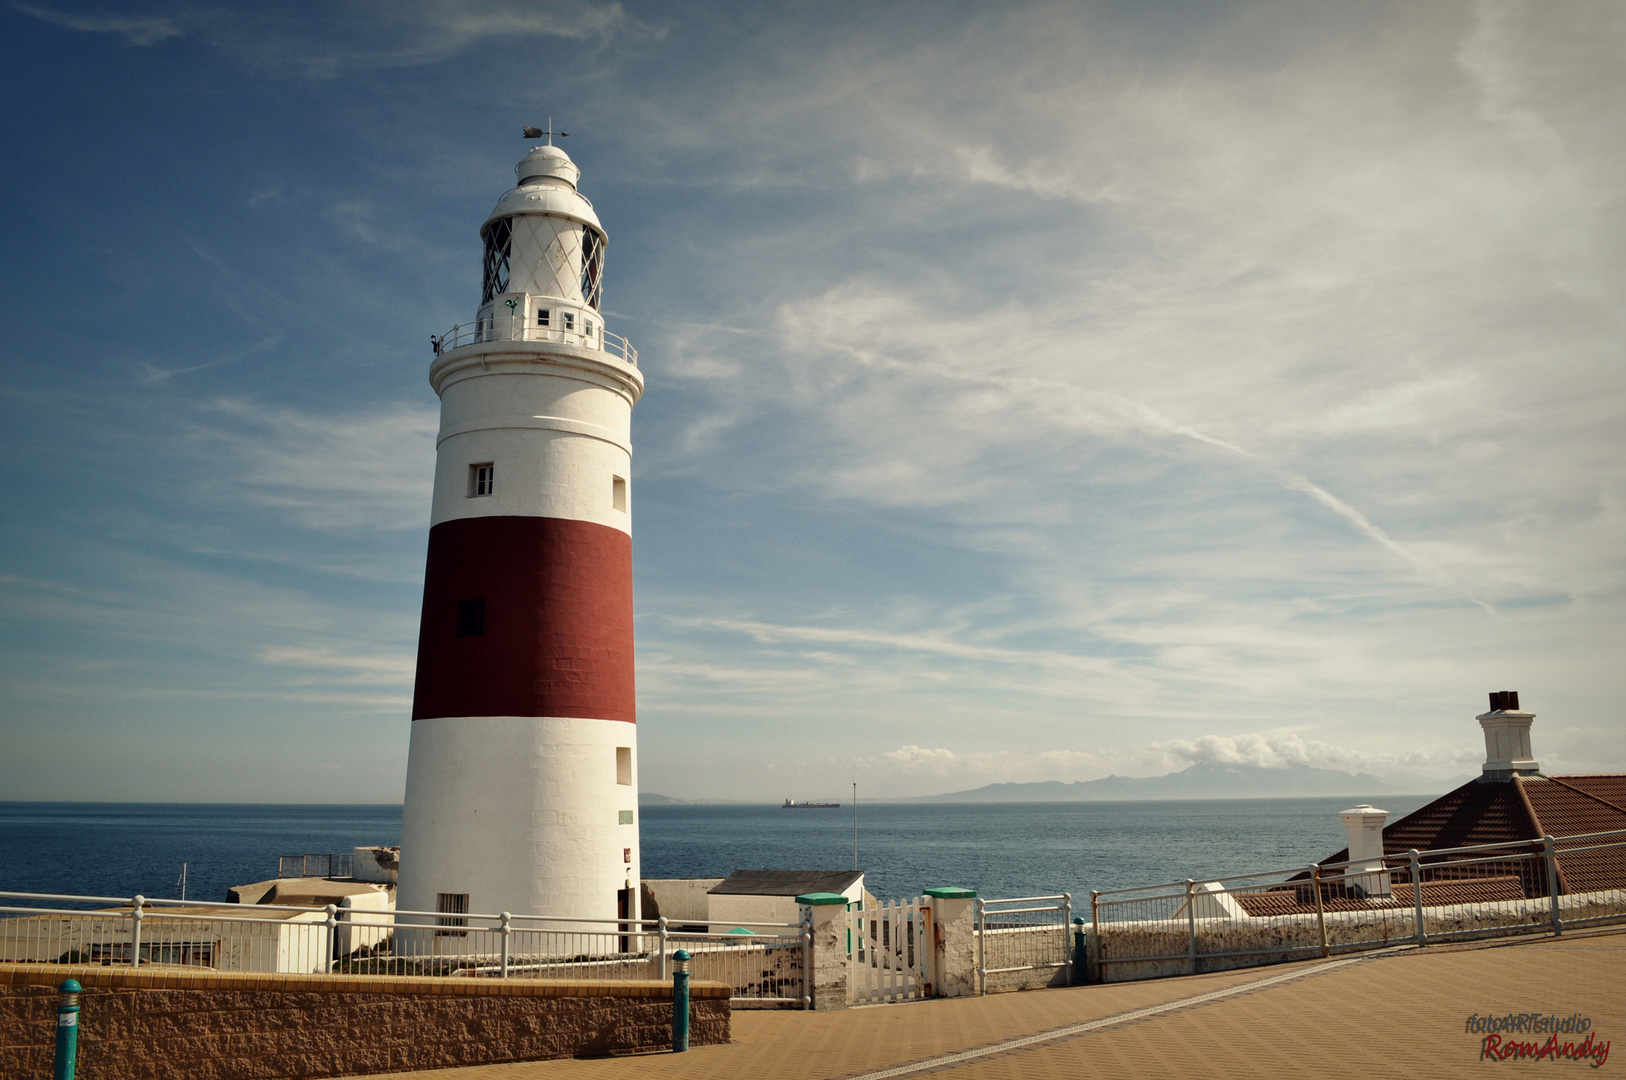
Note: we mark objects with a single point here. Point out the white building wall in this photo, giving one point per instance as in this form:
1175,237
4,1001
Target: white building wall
520,813
682,900
737,910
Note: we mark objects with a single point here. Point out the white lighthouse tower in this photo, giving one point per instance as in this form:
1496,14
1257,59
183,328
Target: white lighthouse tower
522,777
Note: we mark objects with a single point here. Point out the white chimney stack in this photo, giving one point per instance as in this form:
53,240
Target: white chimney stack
1366,870
1507,737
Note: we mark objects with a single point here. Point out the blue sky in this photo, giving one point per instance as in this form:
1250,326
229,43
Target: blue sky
1033,393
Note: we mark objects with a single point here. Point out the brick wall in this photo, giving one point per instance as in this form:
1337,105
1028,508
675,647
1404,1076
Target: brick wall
156,1023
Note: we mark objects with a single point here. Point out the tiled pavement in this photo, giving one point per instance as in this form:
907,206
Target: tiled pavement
1399,1013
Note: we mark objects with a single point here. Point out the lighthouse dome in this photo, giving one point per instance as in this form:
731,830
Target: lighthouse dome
547,162
547,185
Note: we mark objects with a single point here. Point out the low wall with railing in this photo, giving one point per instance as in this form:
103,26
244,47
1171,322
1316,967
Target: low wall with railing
765,967
138,1023
1449,894
1024,943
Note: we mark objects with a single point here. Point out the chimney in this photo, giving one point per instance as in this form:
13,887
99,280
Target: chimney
1366,873
1507,738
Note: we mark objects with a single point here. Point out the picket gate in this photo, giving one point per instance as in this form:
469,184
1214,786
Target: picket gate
889,952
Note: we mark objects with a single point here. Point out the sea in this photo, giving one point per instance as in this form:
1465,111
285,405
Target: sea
999,849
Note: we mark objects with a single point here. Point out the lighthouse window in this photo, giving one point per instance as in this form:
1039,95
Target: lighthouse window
471,617
541,316
592,267
482,479
499,239
626,817
453,906
569,318
618,493
623,765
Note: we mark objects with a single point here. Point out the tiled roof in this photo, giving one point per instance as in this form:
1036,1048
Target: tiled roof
1301,900
1570,805
1522,809
1574,805
784,882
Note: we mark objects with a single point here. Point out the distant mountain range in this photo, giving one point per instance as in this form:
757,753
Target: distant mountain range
1204,780
649,798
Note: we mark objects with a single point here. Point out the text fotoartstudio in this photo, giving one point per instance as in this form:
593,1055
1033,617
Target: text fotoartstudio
1499,1043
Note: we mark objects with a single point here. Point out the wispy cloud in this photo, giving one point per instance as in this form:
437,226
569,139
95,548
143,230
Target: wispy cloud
140,31
339,471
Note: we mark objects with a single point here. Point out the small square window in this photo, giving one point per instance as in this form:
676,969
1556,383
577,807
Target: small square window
626,817
618,493
541,316
482,479
453,905
623,765
587,327
569,318
471,617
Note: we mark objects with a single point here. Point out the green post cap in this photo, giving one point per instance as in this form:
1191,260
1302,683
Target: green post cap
1078,920
681,954
71,986
952,894
819,899
743,930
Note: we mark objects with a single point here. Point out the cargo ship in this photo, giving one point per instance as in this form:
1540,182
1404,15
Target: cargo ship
792,804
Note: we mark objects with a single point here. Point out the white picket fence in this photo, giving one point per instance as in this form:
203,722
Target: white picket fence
889,952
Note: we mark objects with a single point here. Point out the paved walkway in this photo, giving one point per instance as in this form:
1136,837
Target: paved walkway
1401,1012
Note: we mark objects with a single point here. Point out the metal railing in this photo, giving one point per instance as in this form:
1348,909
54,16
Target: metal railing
492,328
1024,933
315,866
1444,894
766,966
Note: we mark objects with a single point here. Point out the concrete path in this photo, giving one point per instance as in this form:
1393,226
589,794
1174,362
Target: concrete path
1402,1012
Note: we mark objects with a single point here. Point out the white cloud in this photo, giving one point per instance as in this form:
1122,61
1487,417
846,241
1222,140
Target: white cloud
917,769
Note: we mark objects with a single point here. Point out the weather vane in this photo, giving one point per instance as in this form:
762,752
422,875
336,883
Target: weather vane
537,133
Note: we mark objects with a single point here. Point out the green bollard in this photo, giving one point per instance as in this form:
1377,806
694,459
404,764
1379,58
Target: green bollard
680,1001
67,1029
1081,968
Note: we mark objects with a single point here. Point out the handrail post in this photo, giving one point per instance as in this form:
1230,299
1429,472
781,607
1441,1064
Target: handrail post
982,946
1320,910
1416,861
1551,858
661,943
1067,941
507,919
1191,922
1095,934
807,966
331,922
135,929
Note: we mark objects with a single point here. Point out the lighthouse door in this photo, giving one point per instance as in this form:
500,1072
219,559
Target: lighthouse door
623,911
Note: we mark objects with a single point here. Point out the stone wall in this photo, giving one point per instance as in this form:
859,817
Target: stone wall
154,1023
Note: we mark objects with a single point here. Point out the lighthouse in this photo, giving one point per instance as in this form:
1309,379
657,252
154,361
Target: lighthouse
522,776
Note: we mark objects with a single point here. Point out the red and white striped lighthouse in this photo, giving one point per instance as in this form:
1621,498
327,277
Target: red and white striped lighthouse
522,777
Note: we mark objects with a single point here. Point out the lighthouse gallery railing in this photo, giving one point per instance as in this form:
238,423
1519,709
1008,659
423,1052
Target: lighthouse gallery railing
591,336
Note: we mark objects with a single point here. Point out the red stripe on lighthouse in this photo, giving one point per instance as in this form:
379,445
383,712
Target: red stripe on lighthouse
557,638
